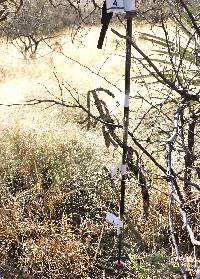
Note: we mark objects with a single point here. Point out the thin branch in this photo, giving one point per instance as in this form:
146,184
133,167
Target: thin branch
183,92
192,18
181,267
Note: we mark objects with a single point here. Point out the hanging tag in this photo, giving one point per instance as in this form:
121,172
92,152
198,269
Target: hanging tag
116,171
114,220
129,5
115,6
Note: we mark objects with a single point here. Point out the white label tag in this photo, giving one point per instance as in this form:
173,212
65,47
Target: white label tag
115,6
114,220
116,171
129,5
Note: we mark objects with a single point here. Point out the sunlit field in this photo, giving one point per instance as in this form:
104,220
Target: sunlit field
70,58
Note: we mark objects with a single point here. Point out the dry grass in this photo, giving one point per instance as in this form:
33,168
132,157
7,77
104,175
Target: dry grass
41,176
51,169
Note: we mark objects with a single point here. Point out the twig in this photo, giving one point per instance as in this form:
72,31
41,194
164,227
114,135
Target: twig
181,267
98,246
183,92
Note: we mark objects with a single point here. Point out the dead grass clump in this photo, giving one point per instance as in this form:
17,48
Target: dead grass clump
55,254
39,249
150,233
46,180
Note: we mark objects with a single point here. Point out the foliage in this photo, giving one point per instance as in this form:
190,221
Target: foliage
156,265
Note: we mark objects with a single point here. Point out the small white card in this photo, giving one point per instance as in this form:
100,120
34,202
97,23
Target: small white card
114,220
120,6
115,6
116,170
129,5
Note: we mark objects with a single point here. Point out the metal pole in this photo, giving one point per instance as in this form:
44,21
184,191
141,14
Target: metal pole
129,16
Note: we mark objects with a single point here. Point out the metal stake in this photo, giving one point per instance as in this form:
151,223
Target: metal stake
129,16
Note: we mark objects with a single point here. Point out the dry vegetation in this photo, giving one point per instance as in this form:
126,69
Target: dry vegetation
54,191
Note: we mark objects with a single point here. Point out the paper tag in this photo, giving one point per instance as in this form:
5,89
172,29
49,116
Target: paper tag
115,6
114,220
129,5
116,171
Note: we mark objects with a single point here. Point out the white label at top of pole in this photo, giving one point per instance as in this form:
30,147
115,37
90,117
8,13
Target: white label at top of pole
120,6
129,5
115,6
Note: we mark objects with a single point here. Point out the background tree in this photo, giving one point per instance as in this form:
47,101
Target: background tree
28,23
35,22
